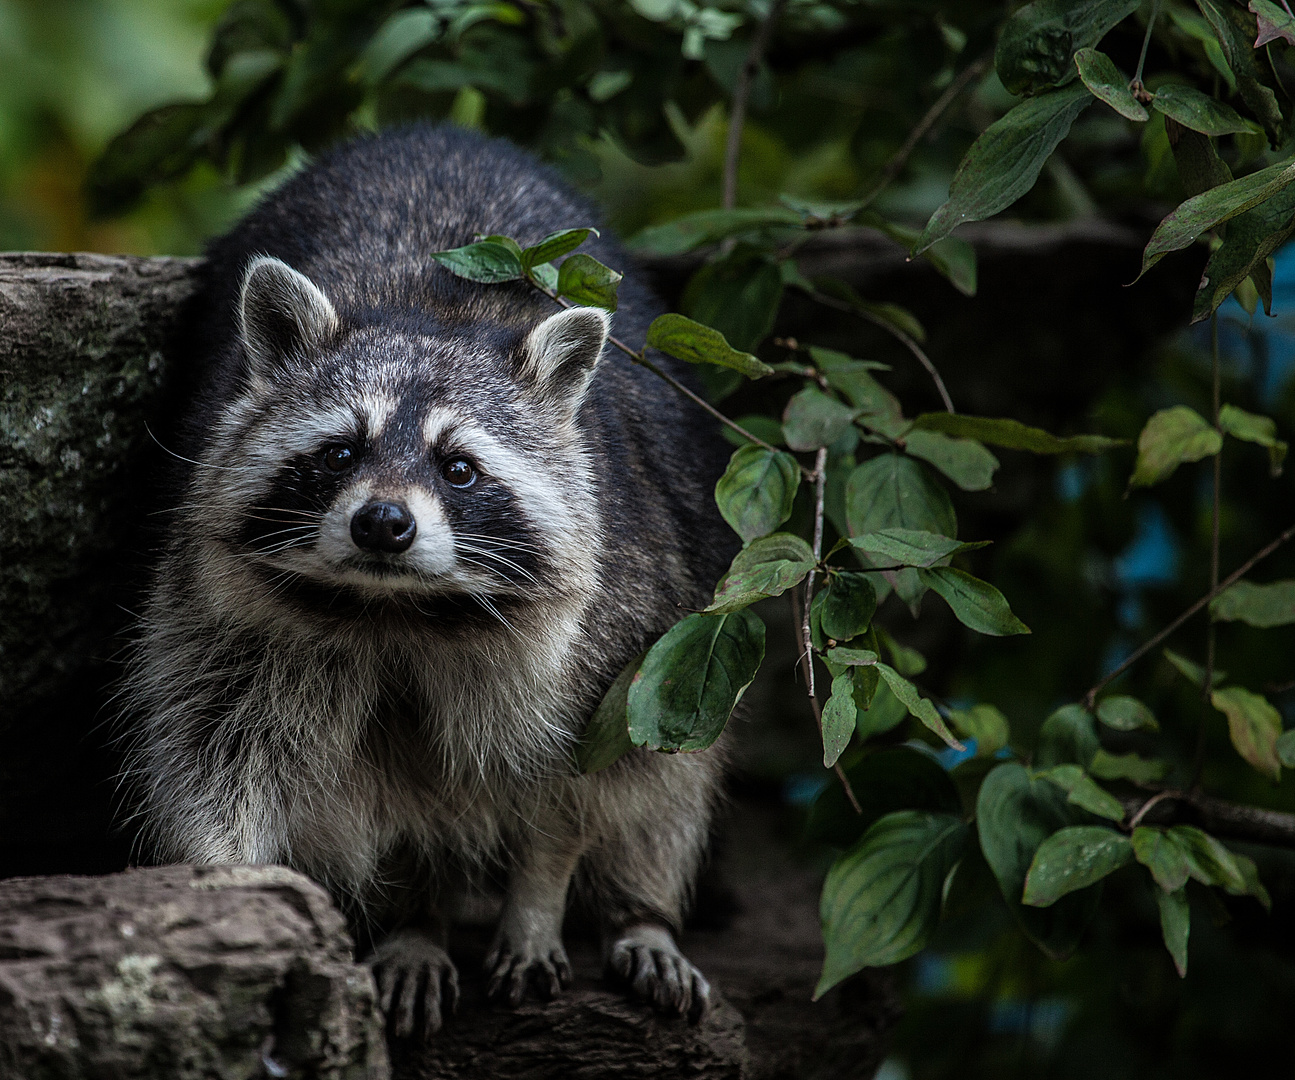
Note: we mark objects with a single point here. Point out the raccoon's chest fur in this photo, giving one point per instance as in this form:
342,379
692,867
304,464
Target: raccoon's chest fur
439,748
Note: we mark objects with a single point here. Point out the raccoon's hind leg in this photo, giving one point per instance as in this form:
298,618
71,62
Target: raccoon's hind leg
527,949
646,957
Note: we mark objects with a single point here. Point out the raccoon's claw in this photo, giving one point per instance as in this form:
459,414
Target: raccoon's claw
417,984
512,972
647,958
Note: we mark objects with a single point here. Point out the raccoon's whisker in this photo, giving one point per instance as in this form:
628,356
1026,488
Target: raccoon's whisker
492,571
500,559
481,599
192,461
520,545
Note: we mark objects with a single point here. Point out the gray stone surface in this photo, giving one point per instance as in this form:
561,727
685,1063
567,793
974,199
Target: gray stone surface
84,341
219,973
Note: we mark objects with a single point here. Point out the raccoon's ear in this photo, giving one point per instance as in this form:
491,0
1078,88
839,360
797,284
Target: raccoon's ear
561,352
281,313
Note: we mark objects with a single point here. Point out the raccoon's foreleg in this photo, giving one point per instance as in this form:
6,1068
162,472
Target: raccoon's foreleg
417,981
527,948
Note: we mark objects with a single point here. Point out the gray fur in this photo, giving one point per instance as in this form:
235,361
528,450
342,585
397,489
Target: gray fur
397,725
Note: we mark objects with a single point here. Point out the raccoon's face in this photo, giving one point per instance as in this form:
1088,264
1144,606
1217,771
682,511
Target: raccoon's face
383,462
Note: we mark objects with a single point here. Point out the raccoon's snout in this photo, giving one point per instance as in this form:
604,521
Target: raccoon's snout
383,526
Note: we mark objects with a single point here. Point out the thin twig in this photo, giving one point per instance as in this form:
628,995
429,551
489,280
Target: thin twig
741,98
899,159
1147,646
1198,760
1136,820
640,359
1136,85
898,335
802,613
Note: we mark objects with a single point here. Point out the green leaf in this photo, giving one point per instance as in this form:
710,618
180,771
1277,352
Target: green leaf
964,461
1068,736
891,491
849,604
1003,164
762,427
1170,438
756,492
1286,748
680,337
838,719
1255,429
1203,212
607,738
402,35
554,246
692,678
585,280
888,548
1073,858
1208,861
884,713
812,419
1038,41
1013,435
1014,815
708,226
1164,854
1124,713
764,568
984,723
1264,606
1106,766
1200,112
976,603
919,706
737,295
1250,876
842,657
908,662
897,778
486,261
881,900
1253,725
1236,30
1107,83
1083,792
1175,923
1273,22
952,258
1251,238
1193,672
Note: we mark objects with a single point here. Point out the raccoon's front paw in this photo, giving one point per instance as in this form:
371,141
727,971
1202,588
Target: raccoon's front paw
647,958
517,961
417,983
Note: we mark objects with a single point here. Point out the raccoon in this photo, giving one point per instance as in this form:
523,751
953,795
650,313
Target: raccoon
421,525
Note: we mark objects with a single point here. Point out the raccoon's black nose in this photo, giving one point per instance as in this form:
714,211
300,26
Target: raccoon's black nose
383,526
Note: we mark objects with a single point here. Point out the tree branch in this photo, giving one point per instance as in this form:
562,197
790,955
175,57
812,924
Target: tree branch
1216,816
741,97
1147,646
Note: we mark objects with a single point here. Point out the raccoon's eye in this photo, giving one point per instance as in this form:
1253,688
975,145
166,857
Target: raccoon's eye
458,473
339,458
